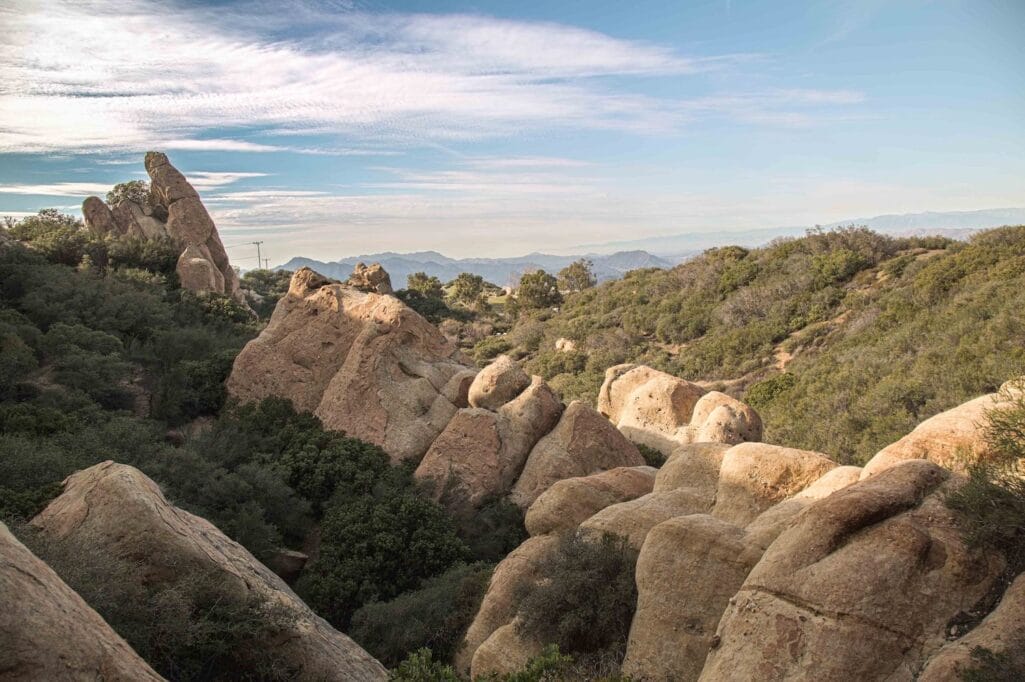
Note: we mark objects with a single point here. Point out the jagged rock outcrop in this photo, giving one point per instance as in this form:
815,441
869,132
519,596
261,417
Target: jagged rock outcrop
117,509
481,453
861,585
498,383
663,411
179,214
364,363
570,502
954,439
505,652
371,278
582,443
47,632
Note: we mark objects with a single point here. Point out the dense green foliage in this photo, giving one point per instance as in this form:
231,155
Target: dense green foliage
577,276
538,290
874,333
587,600
435,616
264,288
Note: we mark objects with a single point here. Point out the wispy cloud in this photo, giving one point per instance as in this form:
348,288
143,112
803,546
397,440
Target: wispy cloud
113,75
57,189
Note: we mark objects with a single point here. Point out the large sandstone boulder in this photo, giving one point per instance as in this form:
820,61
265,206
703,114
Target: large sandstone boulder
501,601
98,218
498,383
373,278
663,411
47,632
570,502
954,439
116,509
365,363
861,585
693,466
635,518
1002,633
505,652
480,454
584,442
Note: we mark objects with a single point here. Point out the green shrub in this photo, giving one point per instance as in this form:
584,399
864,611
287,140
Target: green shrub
434,616
987,666
493,530
490,348
761,393
587,600
421,667
652,457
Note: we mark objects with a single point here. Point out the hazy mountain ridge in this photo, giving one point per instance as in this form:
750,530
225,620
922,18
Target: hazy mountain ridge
501,271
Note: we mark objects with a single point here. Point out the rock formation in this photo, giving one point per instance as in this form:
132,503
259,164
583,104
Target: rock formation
570,502
365,363
498,383
584,442
117,509
663,411
177,213
862,585
47,632
371,278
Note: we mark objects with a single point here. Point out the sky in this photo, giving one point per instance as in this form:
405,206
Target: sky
336,128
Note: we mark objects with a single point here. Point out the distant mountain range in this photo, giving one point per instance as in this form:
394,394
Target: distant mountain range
953,224
500,271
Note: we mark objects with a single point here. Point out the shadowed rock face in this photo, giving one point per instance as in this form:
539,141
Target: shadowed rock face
47,632
203,265
117,509
365,363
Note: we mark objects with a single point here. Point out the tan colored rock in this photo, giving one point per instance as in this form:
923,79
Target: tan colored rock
718,418
166,182
584,442
457,390
1002,632
505,652
565,345
98,218
116,509
861,585
755,476
687,571
125,220
372,278
197,272
501,601
188,222
953,439
364,363
633,519
47,632
695,465
570,502
663,411
498,383
480,454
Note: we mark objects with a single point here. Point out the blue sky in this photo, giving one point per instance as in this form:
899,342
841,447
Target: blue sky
494,128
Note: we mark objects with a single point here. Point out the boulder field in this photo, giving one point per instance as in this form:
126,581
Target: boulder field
174,210
767,563
369,365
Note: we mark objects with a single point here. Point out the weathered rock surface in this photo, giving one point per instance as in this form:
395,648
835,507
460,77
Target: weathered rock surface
47,632
371,278
1002,633
503,653
584,442
364,363
663,411
480,454
570,502
693,466
634,519
98,218
861,585
501,601
498,383
117,509
953,439
755,476
688,569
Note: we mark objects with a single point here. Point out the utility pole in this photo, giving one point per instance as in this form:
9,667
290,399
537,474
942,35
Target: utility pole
258,259
266,263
